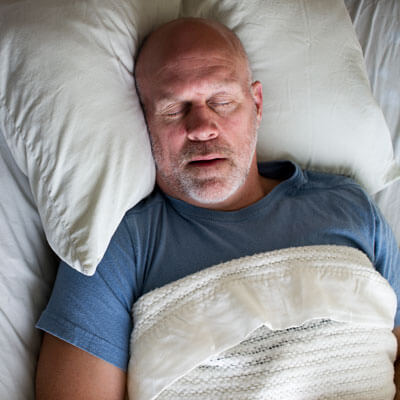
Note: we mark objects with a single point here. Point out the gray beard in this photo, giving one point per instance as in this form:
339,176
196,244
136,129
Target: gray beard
211,190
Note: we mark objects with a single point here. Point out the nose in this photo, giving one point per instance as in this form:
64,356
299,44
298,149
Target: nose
200,124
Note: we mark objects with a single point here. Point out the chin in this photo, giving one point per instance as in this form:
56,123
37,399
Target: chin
212,193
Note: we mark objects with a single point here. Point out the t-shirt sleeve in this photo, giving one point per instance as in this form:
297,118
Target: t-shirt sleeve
387,256
94,313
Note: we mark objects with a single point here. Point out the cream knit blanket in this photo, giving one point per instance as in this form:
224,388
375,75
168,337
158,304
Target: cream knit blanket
300,323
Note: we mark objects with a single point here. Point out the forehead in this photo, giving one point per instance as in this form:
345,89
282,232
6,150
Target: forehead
221,70
194,74
188,82
188,52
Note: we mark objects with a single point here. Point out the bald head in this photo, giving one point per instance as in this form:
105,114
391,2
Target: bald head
202,113
182,39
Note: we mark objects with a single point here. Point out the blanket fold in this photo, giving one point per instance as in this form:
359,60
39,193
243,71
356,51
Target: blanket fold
304,323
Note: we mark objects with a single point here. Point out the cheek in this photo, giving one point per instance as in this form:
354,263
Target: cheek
166,141
240,126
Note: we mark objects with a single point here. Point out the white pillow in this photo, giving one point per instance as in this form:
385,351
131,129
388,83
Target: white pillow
71,118
318,106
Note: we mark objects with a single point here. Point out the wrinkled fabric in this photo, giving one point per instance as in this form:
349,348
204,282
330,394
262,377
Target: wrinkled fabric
181,326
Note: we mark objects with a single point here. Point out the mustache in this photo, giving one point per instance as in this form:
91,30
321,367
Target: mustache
201,149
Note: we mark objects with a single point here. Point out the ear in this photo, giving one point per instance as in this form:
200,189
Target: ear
256,92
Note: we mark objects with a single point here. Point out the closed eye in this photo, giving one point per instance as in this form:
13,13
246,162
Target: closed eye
222,105
173,112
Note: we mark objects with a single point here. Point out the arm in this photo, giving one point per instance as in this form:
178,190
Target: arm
93,313
387,262
67,372
396,331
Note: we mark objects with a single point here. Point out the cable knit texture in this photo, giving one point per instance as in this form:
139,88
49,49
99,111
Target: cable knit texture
302,323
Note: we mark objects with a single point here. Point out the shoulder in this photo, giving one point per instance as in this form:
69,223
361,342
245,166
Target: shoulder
140,227
130,234
327,184
328,181
150,205
155,199
141,214
317,188
309,181
339,195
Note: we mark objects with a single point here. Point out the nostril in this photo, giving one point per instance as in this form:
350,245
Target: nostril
202,136
202,131
200,124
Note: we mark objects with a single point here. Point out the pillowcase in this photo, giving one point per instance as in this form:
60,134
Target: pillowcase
72,119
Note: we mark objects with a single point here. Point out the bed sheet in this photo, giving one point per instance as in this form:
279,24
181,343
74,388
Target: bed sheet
377,23
28,265
26,276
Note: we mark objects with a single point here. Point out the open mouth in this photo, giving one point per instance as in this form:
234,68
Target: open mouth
206,162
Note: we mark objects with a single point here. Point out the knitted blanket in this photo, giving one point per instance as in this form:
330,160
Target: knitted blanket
300,323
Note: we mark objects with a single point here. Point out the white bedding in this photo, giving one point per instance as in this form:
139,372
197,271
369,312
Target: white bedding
28,265
191,337
377,24
26,275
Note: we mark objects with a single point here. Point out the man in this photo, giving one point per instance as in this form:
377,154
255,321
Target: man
212,204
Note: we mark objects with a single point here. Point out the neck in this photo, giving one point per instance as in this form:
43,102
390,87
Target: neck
254,189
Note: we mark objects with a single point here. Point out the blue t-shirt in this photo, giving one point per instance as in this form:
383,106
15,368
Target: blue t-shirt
163,239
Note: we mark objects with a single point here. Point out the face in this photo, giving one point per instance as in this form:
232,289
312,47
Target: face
202,115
